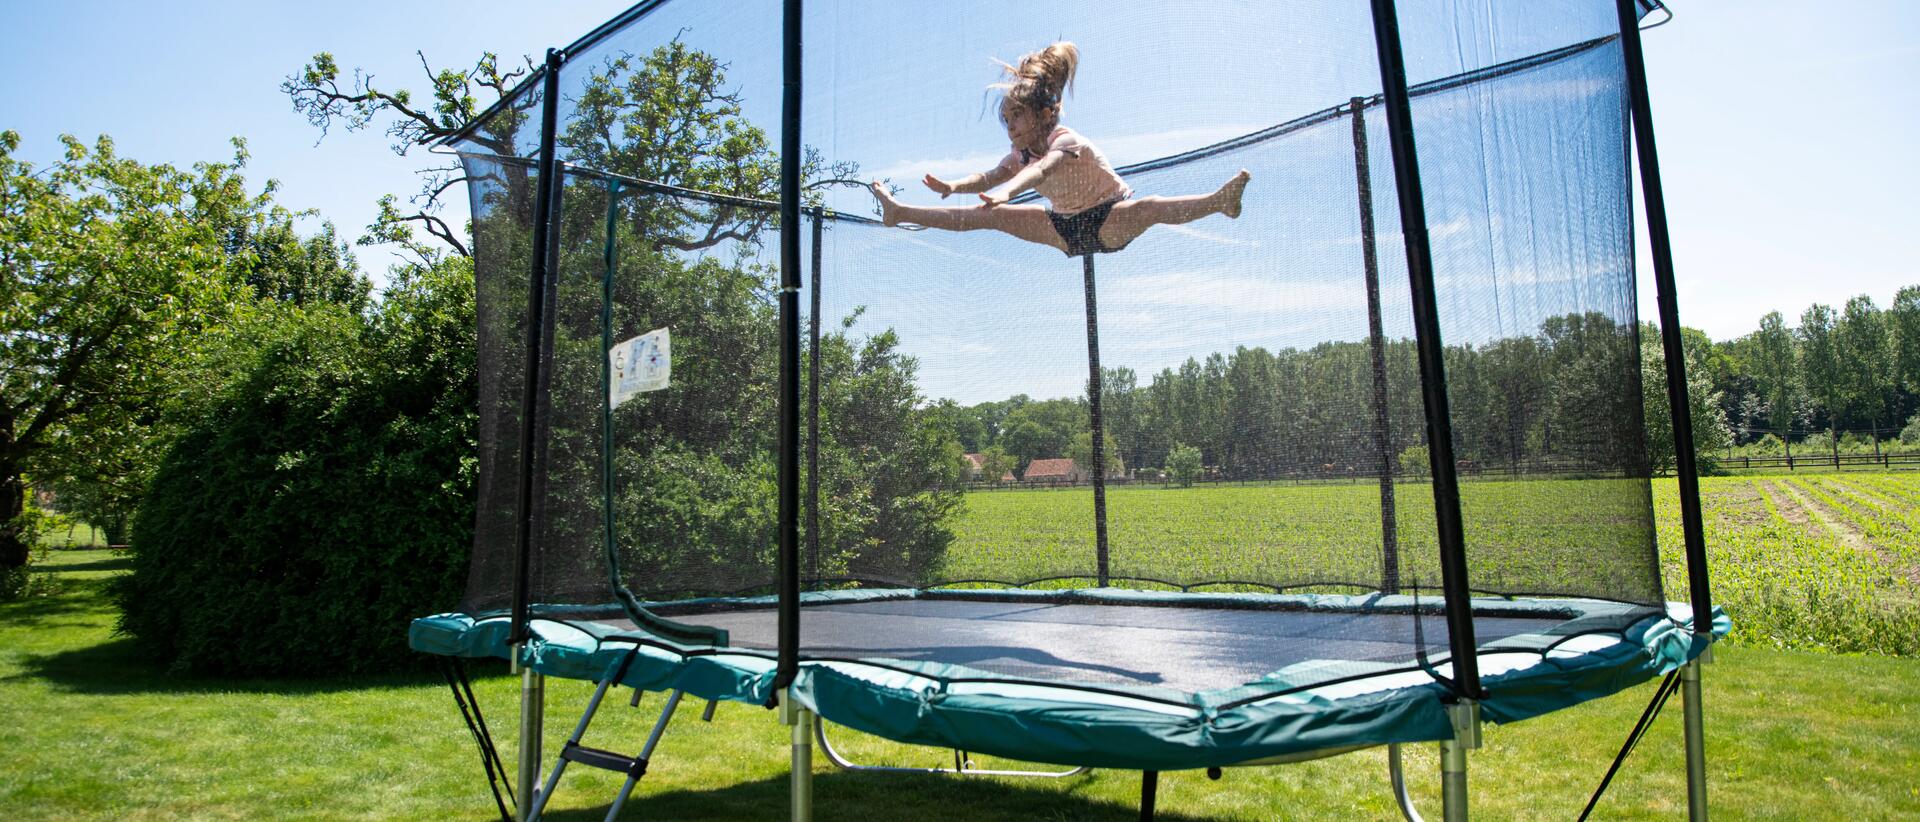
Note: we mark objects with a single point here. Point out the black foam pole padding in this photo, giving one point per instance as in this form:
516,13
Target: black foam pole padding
1099,426
1377,348
531,399
813,407
1426,326
1684,465
789,479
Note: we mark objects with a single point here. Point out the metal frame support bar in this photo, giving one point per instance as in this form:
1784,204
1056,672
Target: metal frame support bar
1453,759
533,702
1433,374
1694,722
800,789
961,765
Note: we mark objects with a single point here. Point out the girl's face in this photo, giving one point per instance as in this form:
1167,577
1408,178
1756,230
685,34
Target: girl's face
1025,127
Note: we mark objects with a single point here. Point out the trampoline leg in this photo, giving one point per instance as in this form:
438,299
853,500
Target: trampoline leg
533,703
1149,790
1695,728
1453,759
801,789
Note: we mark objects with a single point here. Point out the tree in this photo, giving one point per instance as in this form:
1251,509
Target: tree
1081,452
996,463
325,491
1866,361
1820,373
1710,433
1183,464
1774,374
667,116
116,282
1903,325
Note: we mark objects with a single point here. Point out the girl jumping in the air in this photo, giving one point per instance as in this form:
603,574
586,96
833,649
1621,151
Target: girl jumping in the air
1091,206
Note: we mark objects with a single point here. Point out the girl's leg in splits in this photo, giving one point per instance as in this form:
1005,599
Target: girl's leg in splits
1131,218
1028,222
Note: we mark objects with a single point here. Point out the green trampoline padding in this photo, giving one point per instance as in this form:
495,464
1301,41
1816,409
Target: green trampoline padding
1536,656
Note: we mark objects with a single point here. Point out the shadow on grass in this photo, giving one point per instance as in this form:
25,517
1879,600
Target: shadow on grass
118,666
100,663
98,565
842,795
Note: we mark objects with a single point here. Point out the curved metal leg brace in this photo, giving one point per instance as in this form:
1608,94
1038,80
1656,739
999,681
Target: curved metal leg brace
1398,774
960,766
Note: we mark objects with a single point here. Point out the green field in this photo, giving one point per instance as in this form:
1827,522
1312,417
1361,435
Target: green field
90,730
1830,562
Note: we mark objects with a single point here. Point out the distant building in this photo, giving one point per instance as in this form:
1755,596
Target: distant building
1056,471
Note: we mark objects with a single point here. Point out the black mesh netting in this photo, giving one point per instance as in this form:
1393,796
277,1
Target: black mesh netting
1260,397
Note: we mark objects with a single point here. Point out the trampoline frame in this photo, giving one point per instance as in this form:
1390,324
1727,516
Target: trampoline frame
1465,682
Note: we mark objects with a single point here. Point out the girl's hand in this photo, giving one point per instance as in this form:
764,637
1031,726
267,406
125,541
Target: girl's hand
943,187
989,199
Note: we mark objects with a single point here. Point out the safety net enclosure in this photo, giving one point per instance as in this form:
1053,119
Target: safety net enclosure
1173,505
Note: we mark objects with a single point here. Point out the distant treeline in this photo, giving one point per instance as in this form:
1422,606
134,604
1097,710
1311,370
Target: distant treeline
1570,397
1566,397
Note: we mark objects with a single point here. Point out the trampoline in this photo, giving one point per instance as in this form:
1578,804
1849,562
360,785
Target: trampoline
723,407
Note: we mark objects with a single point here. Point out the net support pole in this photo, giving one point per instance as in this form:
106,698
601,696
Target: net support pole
537,287
1688,473
813,407
1433,377
610,265
1685,467
533,403
1377,348
789,402
1099,427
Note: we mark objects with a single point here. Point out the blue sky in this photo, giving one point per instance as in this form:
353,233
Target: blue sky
1787,130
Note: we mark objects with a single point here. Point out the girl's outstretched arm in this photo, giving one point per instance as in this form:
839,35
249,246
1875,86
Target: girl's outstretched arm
970,184
1026,178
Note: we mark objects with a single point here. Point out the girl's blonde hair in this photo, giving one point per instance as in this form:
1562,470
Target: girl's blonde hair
1041,79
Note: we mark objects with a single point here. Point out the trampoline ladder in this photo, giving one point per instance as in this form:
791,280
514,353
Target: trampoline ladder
633,766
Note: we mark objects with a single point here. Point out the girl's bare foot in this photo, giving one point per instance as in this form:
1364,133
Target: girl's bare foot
888,205
1229,194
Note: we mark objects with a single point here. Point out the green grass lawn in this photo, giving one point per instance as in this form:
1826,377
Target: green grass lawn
88,730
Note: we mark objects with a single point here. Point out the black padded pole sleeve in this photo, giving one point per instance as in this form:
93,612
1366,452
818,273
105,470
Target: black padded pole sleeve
789,480
813,406
1426,325
531,400
1377,348
1662,245
1099,427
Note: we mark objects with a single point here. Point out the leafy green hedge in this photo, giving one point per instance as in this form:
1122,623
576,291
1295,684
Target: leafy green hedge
323,499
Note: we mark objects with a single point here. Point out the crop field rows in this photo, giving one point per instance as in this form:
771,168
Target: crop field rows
1827,562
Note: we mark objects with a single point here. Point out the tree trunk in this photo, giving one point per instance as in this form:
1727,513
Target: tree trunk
14,545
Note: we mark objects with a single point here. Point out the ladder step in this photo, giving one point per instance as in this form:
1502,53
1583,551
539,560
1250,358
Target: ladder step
604,760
